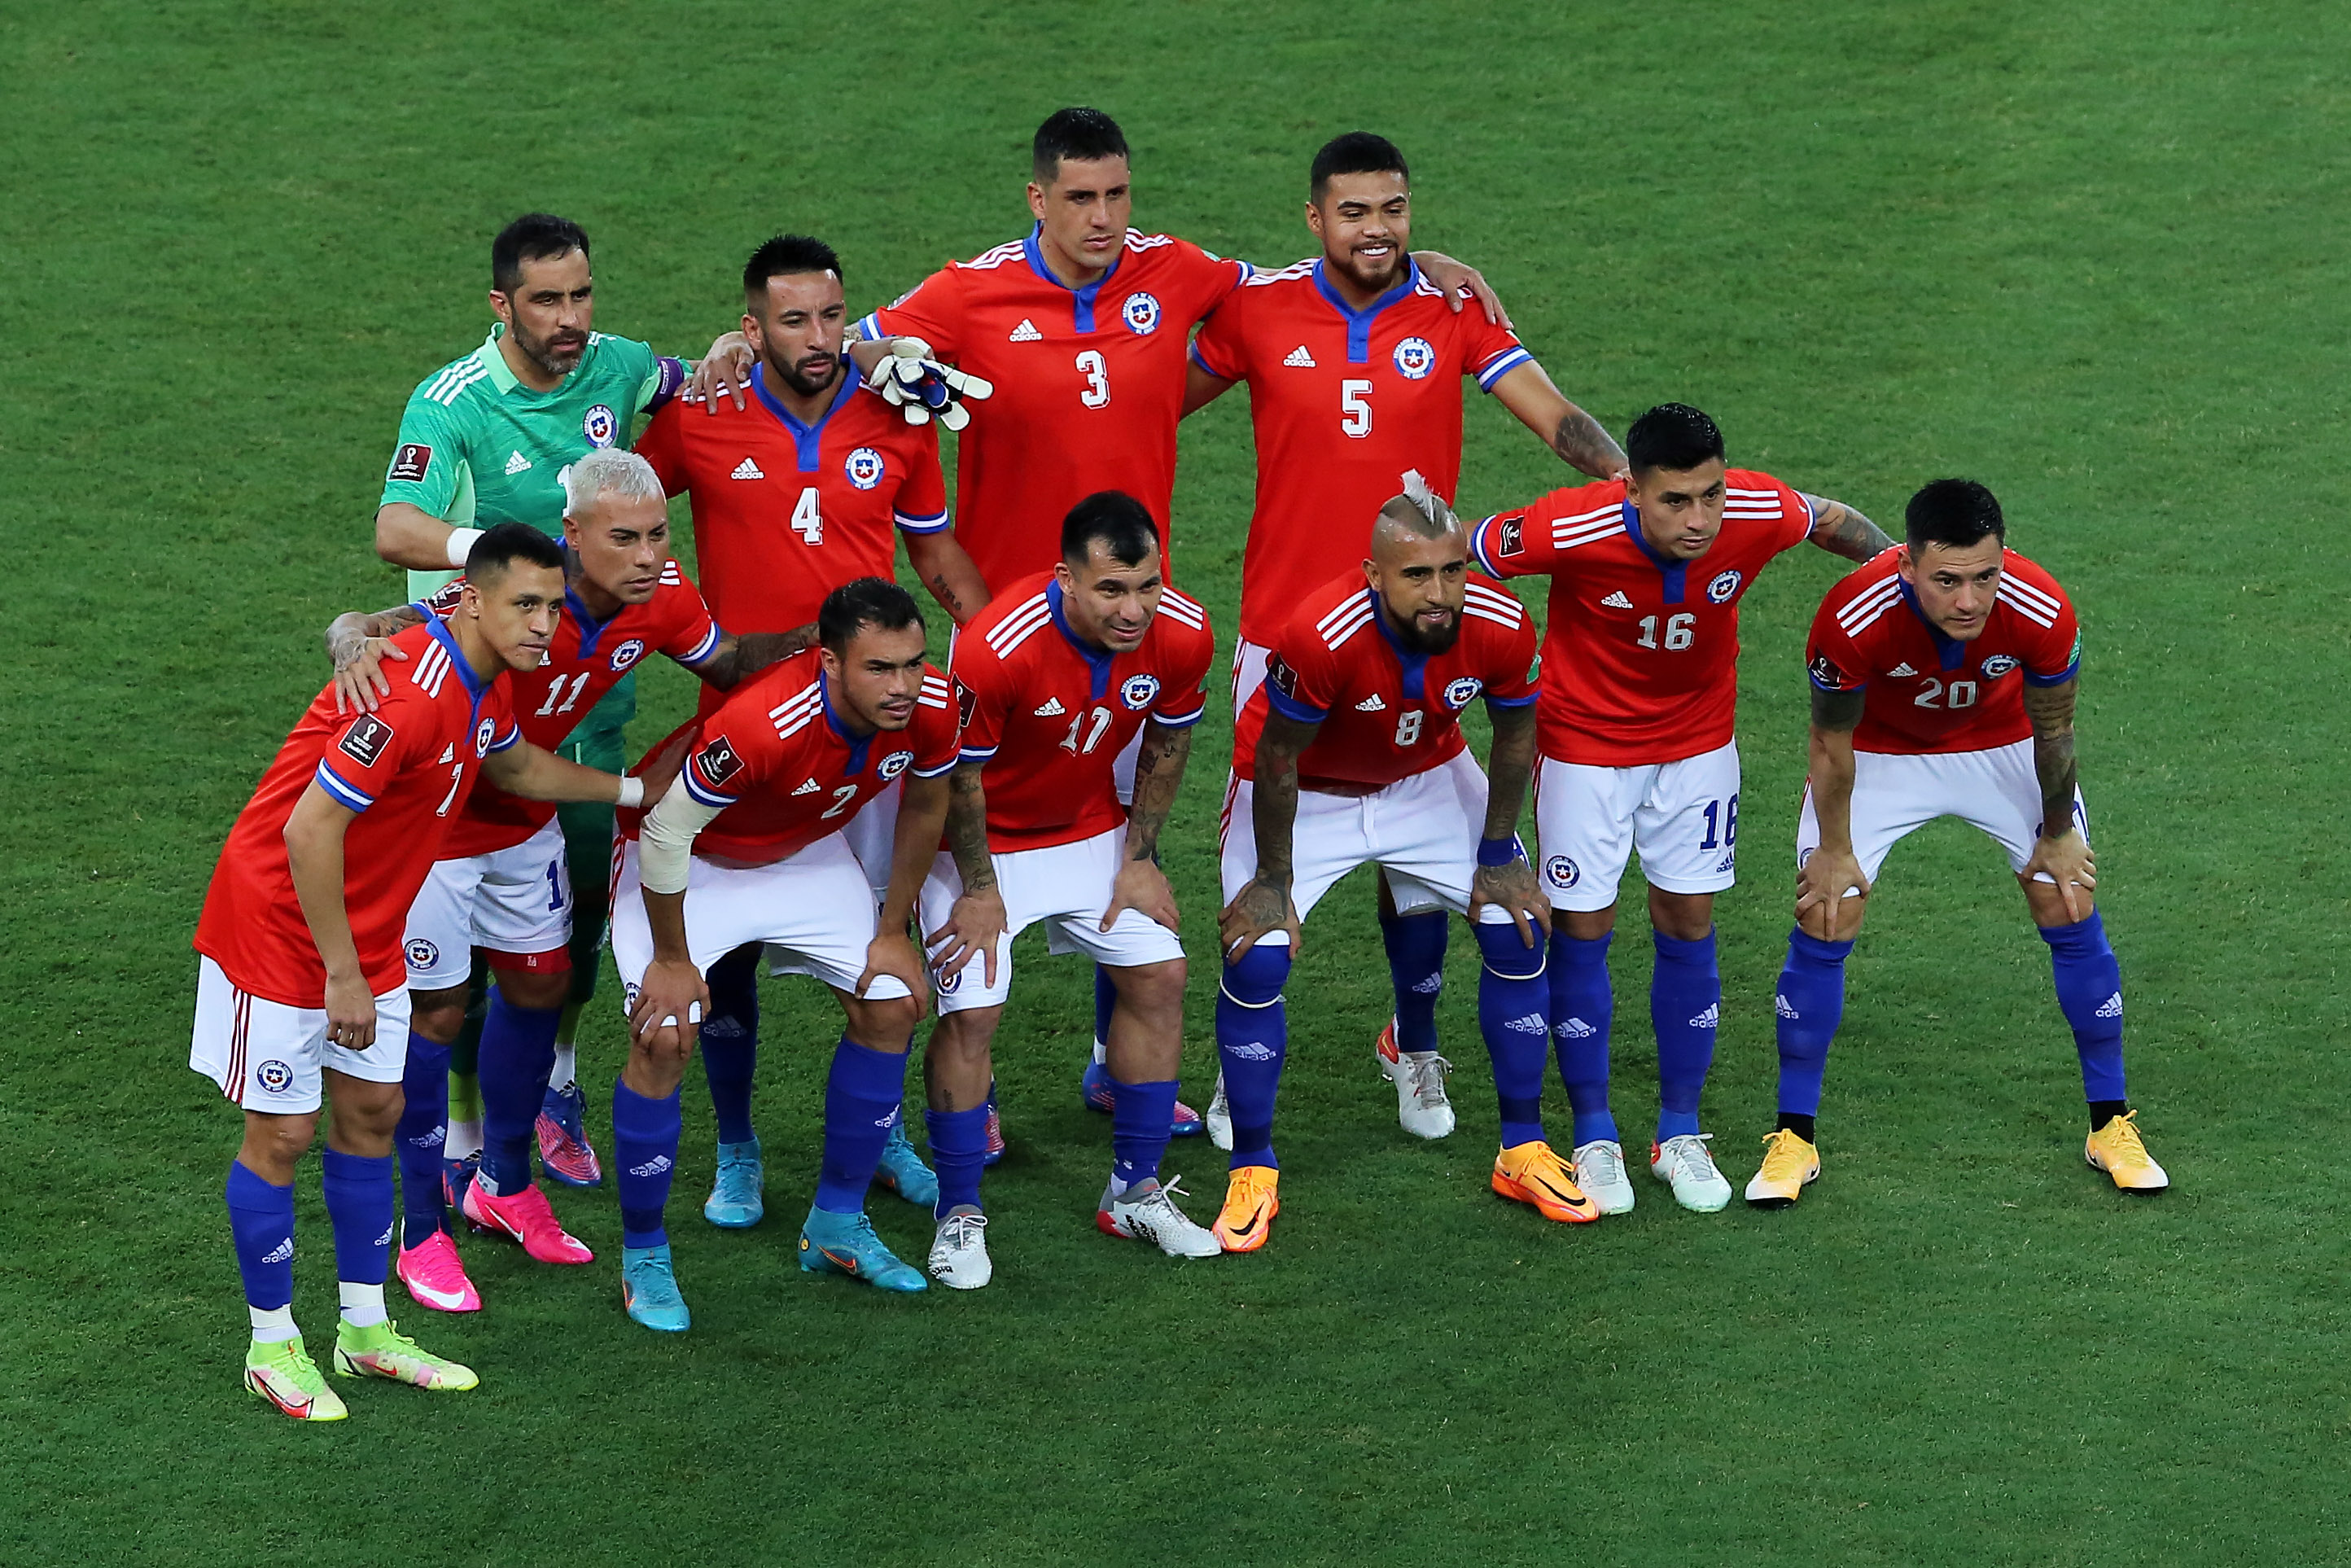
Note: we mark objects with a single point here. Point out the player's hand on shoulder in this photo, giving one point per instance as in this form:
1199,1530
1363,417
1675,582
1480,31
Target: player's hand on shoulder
1143,887
911,379
892,953
2065,860
1515,890
360,680
662,768
1257,911
976,923
351,1012
725,371
671,995
1458,281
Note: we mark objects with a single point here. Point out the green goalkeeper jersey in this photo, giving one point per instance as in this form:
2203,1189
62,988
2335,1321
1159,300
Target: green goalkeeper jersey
477,448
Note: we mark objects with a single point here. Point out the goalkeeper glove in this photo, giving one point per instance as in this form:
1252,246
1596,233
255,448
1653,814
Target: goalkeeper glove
921,388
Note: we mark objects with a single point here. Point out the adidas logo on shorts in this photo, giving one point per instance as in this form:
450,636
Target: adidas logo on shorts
518,463
1254,1051
1300,357
652,1167
2112,1008
1372,704
1053,708
1616,600
1781,1006
1532,1023
279,1253
1576,1029
1026,333
1709,1019
747,470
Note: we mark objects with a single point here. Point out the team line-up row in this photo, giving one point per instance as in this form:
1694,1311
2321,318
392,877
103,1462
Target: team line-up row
856,815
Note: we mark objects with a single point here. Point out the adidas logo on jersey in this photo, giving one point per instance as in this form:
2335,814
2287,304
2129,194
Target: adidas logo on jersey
448,755
1251,1050
279,1253
1026,333
1371,704
1616,600
1053,708
1784,1008
808,786
747,470
518,463
1902,669
1300,357
1576,1029
1709,1019
1530,1023
2112,1008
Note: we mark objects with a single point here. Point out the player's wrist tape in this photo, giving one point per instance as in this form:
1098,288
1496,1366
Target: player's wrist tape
632,791
1497,851
461,545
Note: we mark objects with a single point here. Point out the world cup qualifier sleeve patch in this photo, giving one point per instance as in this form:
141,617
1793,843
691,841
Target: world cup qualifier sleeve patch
411,463
364,742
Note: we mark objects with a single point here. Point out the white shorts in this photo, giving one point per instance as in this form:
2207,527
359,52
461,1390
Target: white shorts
1065,886
517,900
1422,831
266,1056
1249,673
1681,817
814,905
871,836
1895,795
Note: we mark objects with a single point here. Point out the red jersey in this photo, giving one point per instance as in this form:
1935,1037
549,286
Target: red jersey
1386,713
406,770
776,756
1343,401
1089,385
1927,692
585,661
1049,715
1641,652
784,513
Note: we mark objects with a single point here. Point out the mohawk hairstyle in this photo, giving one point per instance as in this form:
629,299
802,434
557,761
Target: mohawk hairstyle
1419,509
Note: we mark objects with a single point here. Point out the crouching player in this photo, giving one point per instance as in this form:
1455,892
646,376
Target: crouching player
1943,678
300,992
1352,752
502,884
1055,678
747,847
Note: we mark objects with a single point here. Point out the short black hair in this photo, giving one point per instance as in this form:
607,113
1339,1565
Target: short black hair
782,256
499,547
1955,513
1080,134
1671,435
1123,524
534,237
1356,152
872,601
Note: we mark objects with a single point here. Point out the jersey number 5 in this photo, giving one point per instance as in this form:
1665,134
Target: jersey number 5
1096,370
1355,406
806,522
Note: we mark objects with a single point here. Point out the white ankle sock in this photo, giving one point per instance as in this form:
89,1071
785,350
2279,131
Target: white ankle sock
567,1066
464,1138
273,1325
362,1304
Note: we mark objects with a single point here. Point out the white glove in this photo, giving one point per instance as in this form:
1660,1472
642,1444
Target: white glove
918,386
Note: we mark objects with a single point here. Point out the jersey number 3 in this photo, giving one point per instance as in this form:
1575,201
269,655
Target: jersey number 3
1096,370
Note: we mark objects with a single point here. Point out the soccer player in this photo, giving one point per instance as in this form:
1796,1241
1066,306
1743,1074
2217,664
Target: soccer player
1634,723
1943,678
798,492
1082,327
482,442
1355,363
1351,751
502,885
1054,678
299,991
746,848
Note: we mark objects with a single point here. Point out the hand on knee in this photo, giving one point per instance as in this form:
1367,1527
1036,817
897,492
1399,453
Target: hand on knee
1508,954
887,1025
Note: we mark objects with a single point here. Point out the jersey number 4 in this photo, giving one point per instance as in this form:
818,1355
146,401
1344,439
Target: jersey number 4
806,522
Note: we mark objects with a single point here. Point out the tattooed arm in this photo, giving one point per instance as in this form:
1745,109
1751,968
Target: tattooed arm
940,560
2062,854
976,923
1829,884
356,643
1841,530
1141,885
1264,907
1578,438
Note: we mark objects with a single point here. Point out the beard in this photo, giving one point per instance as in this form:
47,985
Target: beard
1428,644
801,383
555,359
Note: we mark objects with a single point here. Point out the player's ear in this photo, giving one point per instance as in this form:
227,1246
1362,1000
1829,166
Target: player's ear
1036,201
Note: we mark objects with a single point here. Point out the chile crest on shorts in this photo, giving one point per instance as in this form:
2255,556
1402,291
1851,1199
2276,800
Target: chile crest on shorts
421,954
1140,314
275,1076
1562,871
1138,691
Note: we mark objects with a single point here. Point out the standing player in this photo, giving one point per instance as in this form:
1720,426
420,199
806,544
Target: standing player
501,886
482,442
1352,751
299,992
801,490
1639,697
1355,363
1054,678
1082,327
1943,682
746,848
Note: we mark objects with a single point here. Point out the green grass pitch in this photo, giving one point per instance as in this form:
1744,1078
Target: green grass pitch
2091,254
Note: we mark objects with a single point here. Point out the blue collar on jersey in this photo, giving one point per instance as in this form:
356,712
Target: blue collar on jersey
476,689
1098,659
1415,665
1360,322
1083,299
1675,573
857,744
807,438
1949,650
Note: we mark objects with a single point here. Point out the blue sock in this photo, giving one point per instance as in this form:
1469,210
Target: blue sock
518,1053
1810,1004
1514,1015
644,1156
261,1220
1139,1127
863,1097
423,1124
358,1207
1252,1042
1684,1003
1582,1006
958,1144
730,1041
1105,999
1416,949
2090,993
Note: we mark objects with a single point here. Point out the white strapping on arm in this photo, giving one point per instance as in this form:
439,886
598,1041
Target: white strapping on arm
461,545
632,791
666,842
